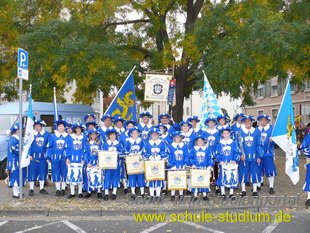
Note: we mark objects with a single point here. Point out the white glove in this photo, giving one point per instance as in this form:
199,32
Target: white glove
131,154
152,158
158,157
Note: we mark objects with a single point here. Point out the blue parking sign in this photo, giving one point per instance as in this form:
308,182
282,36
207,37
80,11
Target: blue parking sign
22,64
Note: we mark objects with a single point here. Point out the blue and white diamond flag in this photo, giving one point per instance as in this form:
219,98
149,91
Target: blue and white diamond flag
210,106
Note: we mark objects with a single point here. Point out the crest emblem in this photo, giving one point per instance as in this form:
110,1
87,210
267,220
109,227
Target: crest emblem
226,150
178,155
158,89
200,178
155,170
211,140
248,140
108,159
201,156
264,136
177,180
39,141
77,145
136,165
60,144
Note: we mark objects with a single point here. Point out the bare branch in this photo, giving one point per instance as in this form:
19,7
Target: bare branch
125,22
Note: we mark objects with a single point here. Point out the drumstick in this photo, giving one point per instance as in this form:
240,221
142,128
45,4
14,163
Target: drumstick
36,160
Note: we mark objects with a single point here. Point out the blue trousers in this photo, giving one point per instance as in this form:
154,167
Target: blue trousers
59,171
37,170
249,168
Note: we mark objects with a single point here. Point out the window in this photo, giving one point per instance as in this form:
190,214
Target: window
274,90
49,120
274,115
307,84
260,93
260,112
187,111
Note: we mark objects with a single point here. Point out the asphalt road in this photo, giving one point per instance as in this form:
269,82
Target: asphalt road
300,223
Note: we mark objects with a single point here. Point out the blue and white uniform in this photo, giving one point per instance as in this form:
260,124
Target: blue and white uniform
178,155
305,147
37,170
212,137
56,153
112,176
200,157
227,151
102,132
132,147
145,131
251,144
189,138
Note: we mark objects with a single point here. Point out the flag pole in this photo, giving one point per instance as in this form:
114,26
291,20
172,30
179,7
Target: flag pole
120,89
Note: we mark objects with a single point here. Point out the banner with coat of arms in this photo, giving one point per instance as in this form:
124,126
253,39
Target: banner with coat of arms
156,87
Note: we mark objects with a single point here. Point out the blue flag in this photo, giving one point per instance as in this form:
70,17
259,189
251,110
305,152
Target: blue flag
284,134
124,103
210,106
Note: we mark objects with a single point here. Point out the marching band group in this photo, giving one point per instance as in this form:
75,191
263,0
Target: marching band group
72,151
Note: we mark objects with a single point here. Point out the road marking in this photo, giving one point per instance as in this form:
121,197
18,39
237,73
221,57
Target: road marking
153,228
2,223
271,227
37,227
202,227
73,227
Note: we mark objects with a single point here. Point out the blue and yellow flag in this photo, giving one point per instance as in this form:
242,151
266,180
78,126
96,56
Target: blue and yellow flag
124,103
284,134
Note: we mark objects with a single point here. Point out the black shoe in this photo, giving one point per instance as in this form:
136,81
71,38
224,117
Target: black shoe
205,198
57,193
259,189
143,195
43,191
232,197
188,192
88,195
126,191
195,198
217,191
31,192
133,196
243,194
18,196
223,196
307,203
151,199
71,196
172,198
113,197
165,192
255,194
63,192
81,195
157,199
248,184
106,197
99,195
271,191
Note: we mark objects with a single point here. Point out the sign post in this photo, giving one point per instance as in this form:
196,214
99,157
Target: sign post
22,74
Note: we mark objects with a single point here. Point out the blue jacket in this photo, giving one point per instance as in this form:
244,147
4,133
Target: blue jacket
75,146
213,138
13,153
305,146
134,147
39,145
227,151
189,139
200,157
155,150
178,156
145,131
102,131
91,153
57,150
267,146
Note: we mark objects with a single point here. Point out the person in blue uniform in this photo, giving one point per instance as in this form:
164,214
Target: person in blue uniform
212,137
165,136
90,117
200,157
250,159
112,176
91,149
222,121
237,118
134,146
75,157
13,161
155,149
37,169
89,126
188,133
178,157
56,155
69,129
305,148
167,120
119,125
268,168
194,120
227,152
145,125
107,120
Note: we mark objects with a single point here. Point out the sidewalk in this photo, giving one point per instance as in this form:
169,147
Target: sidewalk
49,205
